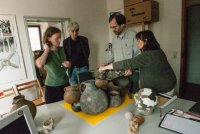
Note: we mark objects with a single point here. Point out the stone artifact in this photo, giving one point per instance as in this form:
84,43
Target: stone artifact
109,74
134,124
19,101
115,98
145,101
48,124
128,115
76,106
120,84
113,80
103,84
93,100
72,94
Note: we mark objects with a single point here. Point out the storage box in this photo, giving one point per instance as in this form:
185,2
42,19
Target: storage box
146,11
131,2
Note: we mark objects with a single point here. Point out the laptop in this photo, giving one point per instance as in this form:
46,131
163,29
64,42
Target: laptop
19,121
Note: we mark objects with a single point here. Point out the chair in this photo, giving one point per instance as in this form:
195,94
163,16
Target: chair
4,94
7,92
30,84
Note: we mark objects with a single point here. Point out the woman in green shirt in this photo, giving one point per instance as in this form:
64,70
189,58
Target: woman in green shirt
155,70
55,63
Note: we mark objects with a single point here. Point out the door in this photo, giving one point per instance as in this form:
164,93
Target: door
190,67
35,27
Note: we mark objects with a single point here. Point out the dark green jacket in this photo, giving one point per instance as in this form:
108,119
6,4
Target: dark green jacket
155,71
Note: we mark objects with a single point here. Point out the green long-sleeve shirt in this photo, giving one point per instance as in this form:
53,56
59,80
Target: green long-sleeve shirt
155,71
56,74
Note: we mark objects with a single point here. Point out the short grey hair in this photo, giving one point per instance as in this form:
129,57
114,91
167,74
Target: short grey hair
73,26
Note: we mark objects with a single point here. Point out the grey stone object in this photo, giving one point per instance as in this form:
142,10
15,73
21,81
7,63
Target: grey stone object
93,100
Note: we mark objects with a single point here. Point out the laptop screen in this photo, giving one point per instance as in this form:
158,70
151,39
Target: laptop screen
19,126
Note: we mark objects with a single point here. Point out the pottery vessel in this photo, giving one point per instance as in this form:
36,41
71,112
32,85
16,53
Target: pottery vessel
19,101
119,84
93,100
76,106
145,101
72,94
102,84
115,99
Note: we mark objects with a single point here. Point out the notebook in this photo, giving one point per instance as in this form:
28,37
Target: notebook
180,124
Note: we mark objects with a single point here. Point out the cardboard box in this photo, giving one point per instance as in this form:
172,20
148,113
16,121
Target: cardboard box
131,2
146,11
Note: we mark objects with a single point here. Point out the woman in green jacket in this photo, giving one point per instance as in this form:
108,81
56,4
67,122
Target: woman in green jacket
155,71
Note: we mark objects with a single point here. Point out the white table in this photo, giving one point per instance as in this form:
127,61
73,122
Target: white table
68,123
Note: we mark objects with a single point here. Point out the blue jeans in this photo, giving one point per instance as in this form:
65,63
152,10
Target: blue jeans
73,79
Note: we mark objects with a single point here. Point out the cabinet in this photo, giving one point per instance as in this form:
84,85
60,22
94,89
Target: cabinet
141,11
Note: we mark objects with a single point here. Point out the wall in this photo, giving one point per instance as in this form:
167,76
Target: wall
92,20
92,17
167,30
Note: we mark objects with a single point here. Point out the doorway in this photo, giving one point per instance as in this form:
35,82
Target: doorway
190,53
35,27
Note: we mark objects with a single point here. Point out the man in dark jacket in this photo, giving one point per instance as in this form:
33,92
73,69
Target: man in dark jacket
77,51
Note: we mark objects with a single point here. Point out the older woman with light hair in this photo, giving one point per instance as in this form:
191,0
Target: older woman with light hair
77,51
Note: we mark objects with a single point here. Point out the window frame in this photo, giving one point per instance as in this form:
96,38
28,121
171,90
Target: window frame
40,34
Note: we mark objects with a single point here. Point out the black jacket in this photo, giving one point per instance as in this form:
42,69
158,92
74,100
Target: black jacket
84,46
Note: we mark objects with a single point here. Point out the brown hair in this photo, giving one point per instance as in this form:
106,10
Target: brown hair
48,33
120,18
150,42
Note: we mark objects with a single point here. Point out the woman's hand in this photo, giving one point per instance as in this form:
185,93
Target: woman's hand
46,47
128,72
40,62
66,64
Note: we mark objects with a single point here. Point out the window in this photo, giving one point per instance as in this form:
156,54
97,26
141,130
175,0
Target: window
35,37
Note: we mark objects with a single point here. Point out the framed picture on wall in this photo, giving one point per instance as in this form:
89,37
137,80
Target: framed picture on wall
11,61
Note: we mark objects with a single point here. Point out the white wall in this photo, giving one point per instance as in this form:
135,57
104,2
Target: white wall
90,14
167,30
92,17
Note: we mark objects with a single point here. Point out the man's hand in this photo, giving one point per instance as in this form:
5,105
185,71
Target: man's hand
107,67
66,64
103,65
102,68
128,72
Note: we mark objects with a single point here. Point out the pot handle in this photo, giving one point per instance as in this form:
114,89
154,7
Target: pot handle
82,87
